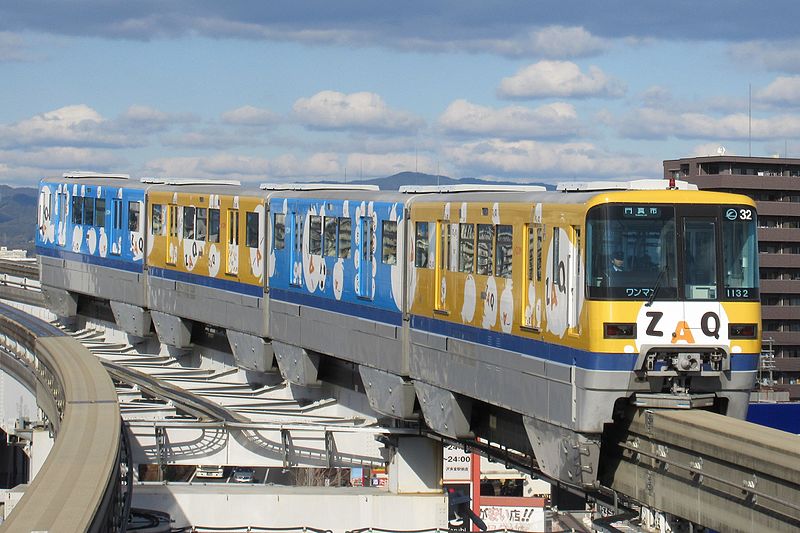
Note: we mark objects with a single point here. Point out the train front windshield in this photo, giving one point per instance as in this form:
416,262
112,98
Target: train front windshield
643,252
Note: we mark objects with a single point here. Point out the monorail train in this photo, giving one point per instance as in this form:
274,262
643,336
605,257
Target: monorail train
482,309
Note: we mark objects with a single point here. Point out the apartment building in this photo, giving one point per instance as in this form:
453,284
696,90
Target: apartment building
774,184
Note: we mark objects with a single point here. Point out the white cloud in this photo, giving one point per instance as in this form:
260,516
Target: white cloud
561,79
646,123
250,116
75,125
785,90
220,165
331,110
12,48
551,120
320,165
380,165
538,160
26,167
769,55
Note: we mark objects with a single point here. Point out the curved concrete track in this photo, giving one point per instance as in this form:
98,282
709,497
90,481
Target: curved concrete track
76,487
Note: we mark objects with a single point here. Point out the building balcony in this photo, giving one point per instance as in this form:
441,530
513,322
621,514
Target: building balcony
779,208
779,312
780,286
745,183
787,364
782,338
779,234
779,260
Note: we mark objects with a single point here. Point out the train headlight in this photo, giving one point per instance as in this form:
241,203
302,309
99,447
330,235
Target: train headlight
742,331
619,331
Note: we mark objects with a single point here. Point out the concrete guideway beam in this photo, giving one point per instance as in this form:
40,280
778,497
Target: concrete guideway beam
709,469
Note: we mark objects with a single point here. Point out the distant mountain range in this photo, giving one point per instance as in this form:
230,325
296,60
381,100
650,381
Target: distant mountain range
18,205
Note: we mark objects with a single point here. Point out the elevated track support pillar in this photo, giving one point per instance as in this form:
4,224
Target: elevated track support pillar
415,466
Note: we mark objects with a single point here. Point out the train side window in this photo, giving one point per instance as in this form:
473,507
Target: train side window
279,231
188,222
531,255
201,223
466,248
315,235
485,249
345,237
77,209
251,229
422,245
156,219
329,237
505,251
389,242
88,211
133,216
100,212
213,225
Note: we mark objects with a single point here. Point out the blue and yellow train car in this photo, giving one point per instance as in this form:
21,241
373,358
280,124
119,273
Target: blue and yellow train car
336,277
564,306
90,240
205,259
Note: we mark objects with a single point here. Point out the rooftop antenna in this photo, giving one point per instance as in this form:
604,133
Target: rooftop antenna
749,120
345,174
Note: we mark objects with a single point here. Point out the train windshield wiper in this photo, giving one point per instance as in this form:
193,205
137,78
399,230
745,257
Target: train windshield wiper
655,288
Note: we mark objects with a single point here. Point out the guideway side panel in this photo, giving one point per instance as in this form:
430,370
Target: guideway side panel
712,470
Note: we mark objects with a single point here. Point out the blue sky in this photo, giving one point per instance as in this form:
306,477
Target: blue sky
310,90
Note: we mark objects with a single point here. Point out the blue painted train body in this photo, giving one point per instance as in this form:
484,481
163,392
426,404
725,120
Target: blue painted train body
326,253
92,221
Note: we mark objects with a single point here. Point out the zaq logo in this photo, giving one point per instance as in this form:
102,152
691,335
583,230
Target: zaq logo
682,323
